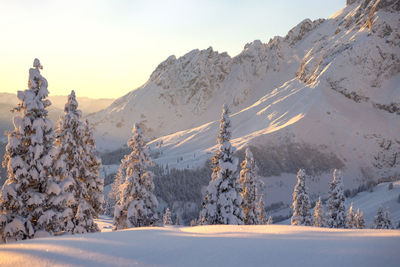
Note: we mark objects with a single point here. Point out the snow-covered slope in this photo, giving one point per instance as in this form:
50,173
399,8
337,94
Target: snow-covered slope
218,245
186,92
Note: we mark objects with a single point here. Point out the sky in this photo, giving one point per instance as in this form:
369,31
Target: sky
104,49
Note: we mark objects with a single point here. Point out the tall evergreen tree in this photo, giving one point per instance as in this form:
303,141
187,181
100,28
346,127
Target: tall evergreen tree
360,222
25,211
248,180
94,183
301,202
319,217
137,204
167,220
382,220
77,166
351,218
336,209
261,214
222,202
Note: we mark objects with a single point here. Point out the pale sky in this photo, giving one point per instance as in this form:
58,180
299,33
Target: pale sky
105,48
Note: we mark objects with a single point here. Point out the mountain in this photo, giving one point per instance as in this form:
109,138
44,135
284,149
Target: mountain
324,96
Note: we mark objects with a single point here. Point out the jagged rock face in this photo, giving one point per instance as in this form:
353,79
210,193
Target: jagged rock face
297,33
365,42
193,78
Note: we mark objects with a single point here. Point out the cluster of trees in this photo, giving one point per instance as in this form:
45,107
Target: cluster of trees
231,197
335,215
53,184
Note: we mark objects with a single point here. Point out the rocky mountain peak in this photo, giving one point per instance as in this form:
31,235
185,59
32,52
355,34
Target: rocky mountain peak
192,78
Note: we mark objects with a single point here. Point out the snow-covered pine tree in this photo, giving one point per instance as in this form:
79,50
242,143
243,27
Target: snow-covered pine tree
359,217
351,221
222,202
270,220
167,217
335,208
248,180
261,214
75,166
382,220
94,183
301,202
319,217
137,204
24,208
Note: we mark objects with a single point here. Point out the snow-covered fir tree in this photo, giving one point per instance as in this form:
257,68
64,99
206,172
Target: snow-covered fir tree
270,220
359,217
94,183
301,202
167,217
223,203
261,214
319,217
25,211
382,220
335,208
76,165
248,180
137,204
351,218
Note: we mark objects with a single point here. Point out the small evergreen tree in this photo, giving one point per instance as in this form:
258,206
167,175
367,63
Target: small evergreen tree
301,202
248,181
137,204
335,208
270,220
261,214
360,222
351,221
167,217
222,202
119,179
25,211
319,214
382,220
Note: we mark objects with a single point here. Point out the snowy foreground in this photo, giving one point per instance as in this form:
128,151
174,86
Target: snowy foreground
267,245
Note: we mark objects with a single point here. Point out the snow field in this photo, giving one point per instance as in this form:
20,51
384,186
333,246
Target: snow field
216,245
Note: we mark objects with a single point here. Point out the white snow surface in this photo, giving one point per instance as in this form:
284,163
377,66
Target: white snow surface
214,245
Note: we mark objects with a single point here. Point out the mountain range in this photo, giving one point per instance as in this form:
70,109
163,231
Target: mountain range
324,96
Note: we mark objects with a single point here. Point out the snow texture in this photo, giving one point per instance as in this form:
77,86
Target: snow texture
217,245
